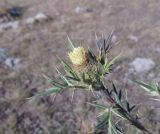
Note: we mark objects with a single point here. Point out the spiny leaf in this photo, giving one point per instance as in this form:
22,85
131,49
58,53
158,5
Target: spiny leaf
70,43
119,130
108,42
158,89
83,77
103,122
117,99
132,108
120,95
69,69
112,128
91,56
97,105
117,114
114,89
101,114
110,92
109,123
86,79
153,89
47,92
64,78
72,78
57,84
109,64
127,106
145,86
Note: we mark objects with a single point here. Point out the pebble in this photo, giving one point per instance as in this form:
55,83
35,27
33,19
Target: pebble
142,65
12,63
80,9
39,17
30,20
9,25
15,24
133,38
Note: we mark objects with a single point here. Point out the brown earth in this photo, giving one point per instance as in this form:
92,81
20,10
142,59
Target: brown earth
38,45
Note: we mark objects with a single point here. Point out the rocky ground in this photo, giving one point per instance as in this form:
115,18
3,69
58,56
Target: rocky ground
29,47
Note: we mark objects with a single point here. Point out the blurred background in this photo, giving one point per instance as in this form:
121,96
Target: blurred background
34,32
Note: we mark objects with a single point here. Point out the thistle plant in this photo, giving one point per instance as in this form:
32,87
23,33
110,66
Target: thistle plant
87,71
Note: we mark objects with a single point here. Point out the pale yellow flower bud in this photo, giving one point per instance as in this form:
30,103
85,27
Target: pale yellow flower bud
78,56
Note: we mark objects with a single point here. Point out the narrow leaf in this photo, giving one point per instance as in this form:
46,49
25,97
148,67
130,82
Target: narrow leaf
57,84
114,89
70,43
47,92
97,105
120,95
127,106
109,64
132,108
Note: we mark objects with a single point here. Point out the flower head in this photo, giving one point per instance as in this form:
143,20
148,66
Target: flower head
78,56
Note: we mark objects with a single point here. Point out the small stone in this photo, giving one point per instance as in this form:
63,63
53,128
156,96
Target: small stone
141,65
80,9
30,20
12,62
133,38
40,16
9,25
